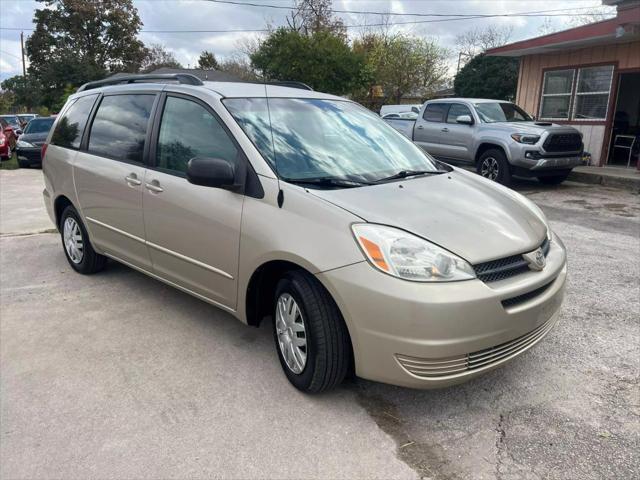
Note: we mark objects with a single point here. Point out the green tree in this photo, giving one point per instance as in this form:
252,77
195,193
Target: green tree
76,41
322,60
401,64
207,61
488,77
156,56
25,91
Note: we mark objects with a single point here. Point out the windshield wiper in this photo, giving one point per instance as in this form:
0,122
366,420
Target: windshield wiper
409,173
327,182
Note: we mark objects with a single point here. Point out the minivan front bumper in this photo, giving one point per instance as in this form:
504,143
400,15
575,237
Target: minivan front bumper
425,335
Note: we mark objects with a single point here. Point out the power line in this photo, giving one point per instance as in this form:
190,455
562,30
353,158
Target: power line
10,54
440,18
369,12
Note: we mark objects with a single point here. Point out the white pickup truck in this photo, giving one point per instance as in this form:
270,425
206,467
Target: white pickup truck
498,137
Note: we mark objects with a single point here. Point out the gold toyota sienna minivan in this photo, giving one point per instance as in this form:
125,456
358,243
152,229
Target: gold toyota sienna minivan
276,201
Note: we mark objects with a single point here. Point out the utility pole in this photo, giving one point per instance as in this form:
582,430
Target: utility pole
24,70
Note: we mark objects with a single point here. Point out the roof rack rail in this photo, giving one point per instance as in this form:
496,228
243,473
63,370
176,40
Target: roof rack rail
291,84
184,78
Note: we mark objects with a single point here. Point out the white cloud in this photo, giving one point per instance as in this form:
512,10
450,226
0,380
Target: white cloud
199,15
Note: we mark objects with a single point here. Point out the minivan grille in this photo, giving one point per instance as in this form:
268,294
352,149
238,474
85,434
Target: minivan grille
563,142
513,301
506,267
444,367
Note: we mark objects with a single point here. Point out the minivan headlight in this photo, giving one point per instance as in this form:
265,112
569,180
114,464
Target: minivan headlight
23,144
525,138
403,255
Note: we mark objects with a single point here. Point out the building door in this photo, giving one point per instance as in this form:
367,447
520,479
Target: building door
624,145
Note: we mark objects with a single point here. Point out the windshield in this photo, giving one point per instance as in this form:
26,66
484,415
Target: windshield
326,139
39,125
11,120
501,112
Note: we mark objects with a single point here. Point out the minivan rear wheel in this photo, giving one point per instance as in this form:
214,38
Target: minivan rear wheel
76,245
493,165
310,335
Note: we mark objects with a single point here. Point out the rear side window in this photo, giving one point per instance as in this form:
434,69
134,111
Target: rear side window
434,112
70,127
189,130
120,126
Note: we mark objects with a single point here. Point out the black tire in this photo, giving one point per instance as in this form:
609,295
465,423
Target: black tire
23,164
328,347
554,179
493,165
90,262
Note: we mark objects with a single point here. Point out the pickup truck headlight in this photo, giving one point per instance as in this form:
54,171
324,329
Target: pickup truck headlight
525,138
23,144
403,255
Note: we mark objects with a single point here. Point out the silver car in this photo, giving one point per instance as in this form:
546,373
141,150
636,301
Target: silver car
270,202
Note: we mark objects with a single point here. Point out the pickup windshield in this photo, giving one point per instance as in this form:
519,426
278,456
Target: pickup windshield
326,139
501,112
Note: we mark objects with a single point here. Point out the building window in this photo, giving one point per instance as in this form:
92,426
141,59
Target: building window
576,94
556,94
592,93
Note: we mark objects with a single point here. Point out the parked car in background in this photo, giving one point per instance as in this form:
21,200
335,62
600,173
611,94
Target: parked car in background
29,145
415,108
14,122
9,139
5,148
369,255
498,137
26,118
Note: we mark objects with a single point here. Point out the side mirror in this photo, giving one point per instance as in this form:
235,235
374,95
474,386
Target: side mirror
465,119
211,172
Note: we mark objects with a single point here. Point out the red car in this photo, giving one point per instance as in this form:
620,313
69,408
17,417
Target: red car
7,140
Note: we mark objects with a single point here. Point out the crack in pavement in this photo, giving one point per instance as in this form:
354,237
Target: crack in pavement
423,458
28,234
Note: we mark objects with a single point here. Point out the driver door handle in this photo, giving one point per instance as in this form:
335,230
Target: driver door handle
420,127
132,179
445,129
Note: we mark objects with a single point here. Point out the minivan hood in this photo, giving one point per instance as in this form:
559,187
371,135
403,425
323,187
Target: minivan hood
466,214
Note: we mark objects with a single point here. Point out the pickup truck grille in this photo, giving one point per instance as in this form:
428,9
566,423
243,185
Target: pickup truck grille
505,267
563,142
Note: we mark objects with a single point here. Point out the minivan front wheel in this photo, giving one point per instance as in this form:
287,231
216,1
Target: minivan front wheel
493,165
76,245
310,335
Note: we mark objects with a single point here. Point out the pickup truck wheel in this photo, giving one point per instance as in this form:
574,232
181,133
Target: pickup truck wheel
554,179
311,337
493,165
76,245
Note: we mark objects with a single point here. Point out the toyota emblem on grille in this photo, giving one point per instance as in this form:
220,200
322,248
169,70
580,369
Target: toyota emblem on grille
535,259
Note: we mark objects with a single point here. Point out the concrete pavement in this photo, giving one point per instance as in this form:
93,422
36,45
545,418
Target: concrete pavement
21,206
119,376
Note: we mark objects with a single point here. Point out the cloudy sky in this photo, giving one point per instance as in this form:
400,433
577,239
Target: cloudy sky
206,15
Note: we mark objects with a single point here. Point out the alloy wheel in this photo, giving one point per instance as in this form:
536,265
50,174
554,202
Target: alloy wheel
490,168
73,242
292,336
